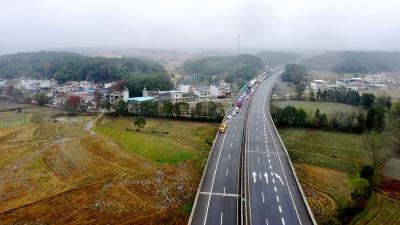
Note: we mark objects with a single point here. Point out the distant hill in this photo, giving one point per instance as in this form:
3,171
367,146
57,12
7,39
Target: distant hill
354,62
277,58
233,69
64,66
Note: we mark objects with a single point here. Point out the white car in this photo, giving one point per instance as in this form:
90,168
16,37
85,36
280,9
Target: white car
234,113
229,117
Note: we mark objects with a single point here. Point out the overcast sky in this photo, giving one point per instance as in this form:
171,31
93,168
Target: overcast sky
206,24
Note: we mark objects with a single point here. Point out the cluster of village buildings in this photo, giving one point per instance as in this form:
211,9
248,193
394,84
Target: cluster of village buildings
87,91
376,81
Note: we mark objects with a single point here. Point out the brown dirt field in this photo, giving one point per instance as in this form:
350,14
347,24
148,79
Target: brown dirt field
60,173
324,189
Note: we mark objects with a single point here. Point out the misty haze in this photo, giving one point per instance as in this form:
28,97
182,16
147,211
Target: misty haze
200,112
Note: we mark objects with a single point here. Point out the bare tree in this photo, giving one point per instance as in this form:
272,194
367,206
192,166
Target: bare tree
373,143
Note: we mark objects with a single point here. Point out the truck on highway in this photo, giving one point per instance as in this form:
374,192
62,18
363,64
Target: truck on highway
239,102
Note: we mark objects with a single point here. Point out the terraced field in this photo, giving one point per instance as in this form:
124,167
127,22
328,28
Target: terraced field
325,162
340,151
381,210
12,119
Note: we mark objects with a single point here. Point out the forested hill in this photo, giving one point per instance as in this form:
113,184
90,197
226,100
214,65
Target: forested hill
64,66
354,62
230,68
277,58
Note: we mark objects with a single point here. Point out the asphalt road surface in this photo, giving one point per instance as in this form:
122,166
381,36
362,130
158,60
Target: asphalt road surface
273,196
271,191
218,200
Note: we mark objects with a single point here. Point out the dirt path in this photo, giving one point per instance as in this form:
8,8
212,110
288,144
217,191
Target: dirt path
91,123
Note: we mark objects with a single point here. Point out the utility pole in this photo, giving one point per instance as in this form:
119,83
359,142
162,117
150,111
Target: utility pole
238,50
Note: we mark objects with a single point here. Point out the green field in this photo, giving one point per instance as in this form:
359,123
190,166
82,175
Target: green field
340,151
310,107
13,119
161,141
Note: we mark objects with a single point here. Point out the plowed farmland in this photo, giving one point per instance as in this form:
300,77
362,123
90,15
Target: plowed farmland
64,171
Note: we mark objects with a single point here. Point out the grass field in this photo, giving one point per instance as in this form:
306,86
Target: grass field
161,141
310,107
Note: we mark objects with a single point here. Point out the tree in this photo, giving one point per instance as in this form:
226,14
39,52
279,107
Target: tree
168,108
367,100
140,121
300,87
361,192
294,73
212,110
370,121
72,104
360,123
301,118
319,93
384,101
41,99
105,105
97,98
373,144
121,108
367,172
312,95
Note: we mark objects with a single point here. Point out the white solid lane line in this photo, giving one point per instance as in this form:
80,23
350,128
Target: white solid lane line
212,184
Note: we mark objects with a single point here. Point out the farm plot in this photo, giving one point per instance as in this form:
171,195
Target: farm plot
54,171
13,119
342,151
310,107
380,210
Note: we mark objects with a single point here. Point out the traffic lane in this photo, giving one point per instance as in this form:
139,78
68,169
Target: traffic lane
223,210
215,154
291,181
285,203
212,164
263,206
199,211
227,179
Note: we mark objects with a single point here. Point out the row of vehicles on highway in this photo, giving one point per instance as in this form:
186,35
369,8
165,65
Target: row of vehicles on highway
246,95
